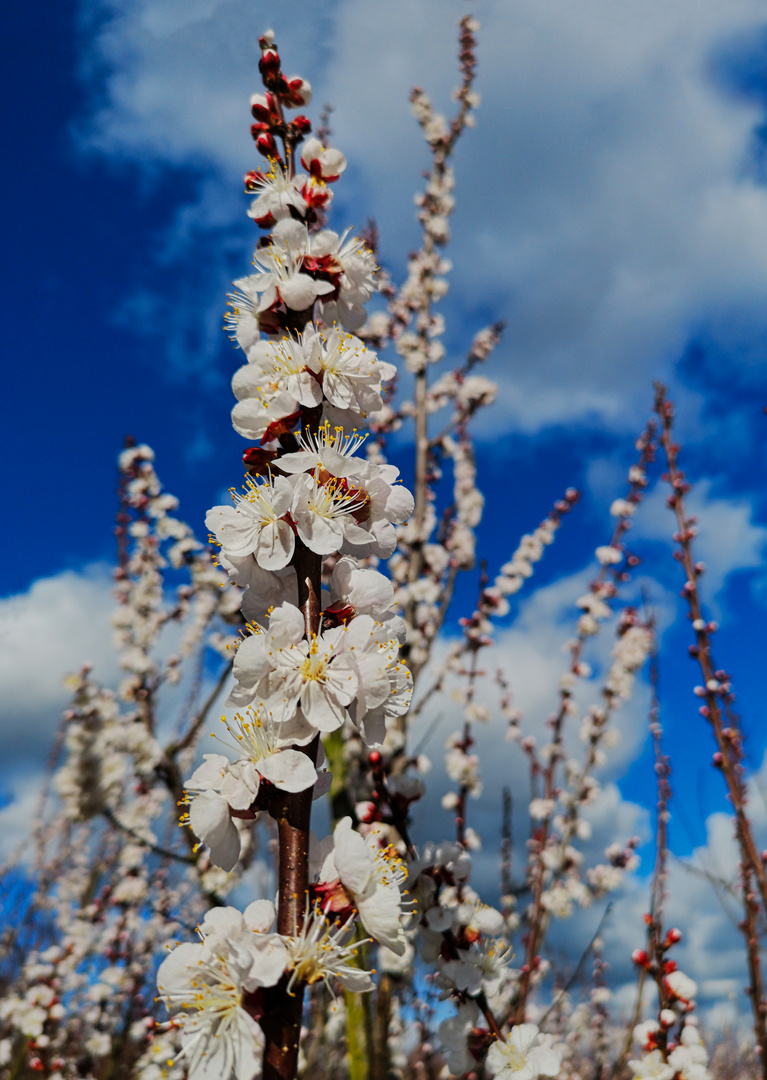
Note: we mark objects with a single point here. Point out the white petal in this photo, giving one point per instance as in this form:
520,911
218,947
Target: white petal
226,921
251,661
210,820
299,292
544,1060
271,958
240,785
174,972
321,535
352,856
320,709
275,545
286,626
210,774
381,916
260,916
290,770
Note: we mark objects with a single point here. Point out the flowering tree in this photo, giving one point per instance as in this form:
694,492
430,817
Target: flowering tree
249,923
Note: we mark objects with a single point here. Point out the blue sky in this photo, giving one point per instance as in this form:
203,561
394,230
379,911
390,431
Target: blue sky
612,208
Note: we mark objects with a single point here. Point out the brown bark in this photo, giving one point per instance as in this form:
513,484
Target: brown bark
292,812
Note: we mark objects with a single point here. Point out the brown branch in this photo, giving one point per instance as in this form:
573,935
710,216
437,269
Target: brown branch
187,740
538,922
292,812
718,697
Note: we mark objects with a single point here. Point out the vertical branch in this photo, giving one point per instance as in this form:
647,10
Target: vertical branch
292,812
660,869
718,696
604,587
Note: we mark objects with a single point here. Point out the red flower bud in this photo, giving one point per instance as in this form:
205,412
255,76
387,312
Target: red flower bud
261,112
257,460
267,146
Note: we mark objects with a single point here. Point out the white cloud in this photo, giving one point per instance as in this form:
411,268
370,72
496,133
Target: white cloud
606,208
16,817
46,633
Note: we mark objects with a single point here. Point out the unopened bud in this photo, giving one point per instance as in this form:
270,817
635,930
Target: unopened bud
266,145
270,61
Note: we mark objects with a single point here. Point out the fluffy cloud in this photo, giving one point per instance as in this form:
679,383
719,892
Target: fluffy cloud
46,633
608,203
22,791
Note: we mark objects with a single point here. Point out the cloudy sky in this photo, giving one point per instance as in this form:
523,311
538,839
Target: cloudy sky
612,209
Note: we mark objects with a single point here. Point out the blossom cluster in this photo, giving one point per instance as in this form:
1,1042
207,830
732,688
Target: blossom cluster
310,662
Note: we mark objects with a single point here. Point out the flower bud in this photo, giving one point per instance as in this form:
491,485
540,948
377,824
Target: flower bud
267,146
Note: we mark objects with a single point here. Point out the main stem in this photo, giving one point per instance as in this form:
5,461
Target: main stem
292,812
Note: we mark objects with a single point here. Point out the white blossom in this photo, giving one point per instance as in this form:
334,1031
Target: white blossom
203,987
523,1056
373,876
255,525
